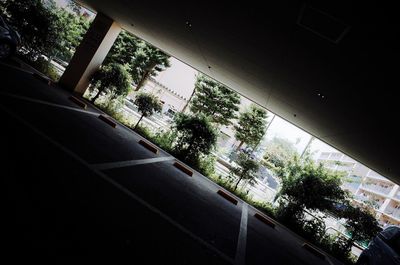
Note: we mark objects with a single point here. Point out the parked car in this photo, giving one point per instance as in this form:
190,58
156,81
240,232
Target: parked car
383,249
9,40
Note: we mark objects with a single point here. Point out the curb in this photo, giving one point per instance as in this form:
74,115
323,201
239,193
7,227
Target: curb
148,146
108,121
42,78
265,220
78,102
314,251
183,168
227,197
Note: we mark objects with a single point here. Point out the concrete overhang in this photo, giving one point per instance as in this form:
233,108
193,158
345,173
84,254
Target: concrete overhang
329,68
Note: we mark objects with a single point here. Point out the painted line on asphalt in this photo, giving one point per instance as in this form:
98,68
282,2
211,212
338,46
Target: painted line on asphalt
119,186
240,257
47,103
129,163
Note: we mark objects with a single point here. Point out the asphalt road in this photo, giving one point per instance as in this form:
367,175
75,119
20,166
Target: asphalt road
78,191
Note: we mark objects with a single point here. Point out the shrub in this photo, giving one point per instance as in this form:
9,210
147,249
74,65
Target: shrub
165,140
206,165
46,68
195,138
112,78
145,132
264,207
337,246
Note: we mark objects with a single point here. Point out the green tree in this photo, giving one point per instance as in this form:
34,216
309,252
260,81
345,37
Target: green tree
246,169
195,137
147,61
310,186
35,23
214,100
144,60
70,30
123,50
361,224
147,105
278,152
113,79
46,29
251,126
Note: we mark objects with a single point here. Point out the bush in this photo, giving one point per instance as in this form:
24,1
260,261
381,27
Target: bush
195,138
338,247
265,207
313,230
113,79
290,214
145,132
165,140
206,165
46,68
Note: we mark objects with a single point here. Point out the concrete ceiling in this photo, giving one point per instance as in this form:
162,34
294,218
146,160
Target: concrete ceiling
330,68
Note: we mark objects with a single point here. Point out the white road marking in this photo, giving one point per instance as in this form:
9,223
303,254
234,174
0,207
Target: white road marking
240,257
119,186
48,103
128,163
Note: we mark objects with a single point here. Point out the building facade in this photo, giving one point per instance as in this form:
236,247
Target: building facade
368,187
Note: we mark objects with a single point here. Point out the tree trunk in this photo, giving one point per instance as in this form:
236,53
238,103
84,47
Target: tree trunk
190,99
138,122
95,97
240,145
237,183
145,76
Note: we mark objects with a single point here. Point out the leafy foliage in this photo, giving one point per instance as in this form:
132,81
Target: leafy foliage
45,29
195,137
360,223
147,62
246,169
147,105
278,152
251,126
310,186
214,100
123,49
69,29
143,59
113,79
165,140
35,23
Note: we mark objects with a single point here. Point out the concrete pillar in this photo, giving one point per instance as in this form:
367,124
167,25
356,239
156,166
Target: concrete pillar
90,54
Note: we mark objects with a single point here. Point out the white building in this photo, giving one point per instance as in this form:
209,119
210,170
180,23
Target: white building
368,187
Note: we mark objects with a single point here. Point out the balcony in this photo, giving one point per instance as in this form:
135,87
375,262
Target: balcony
370,200
383,189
